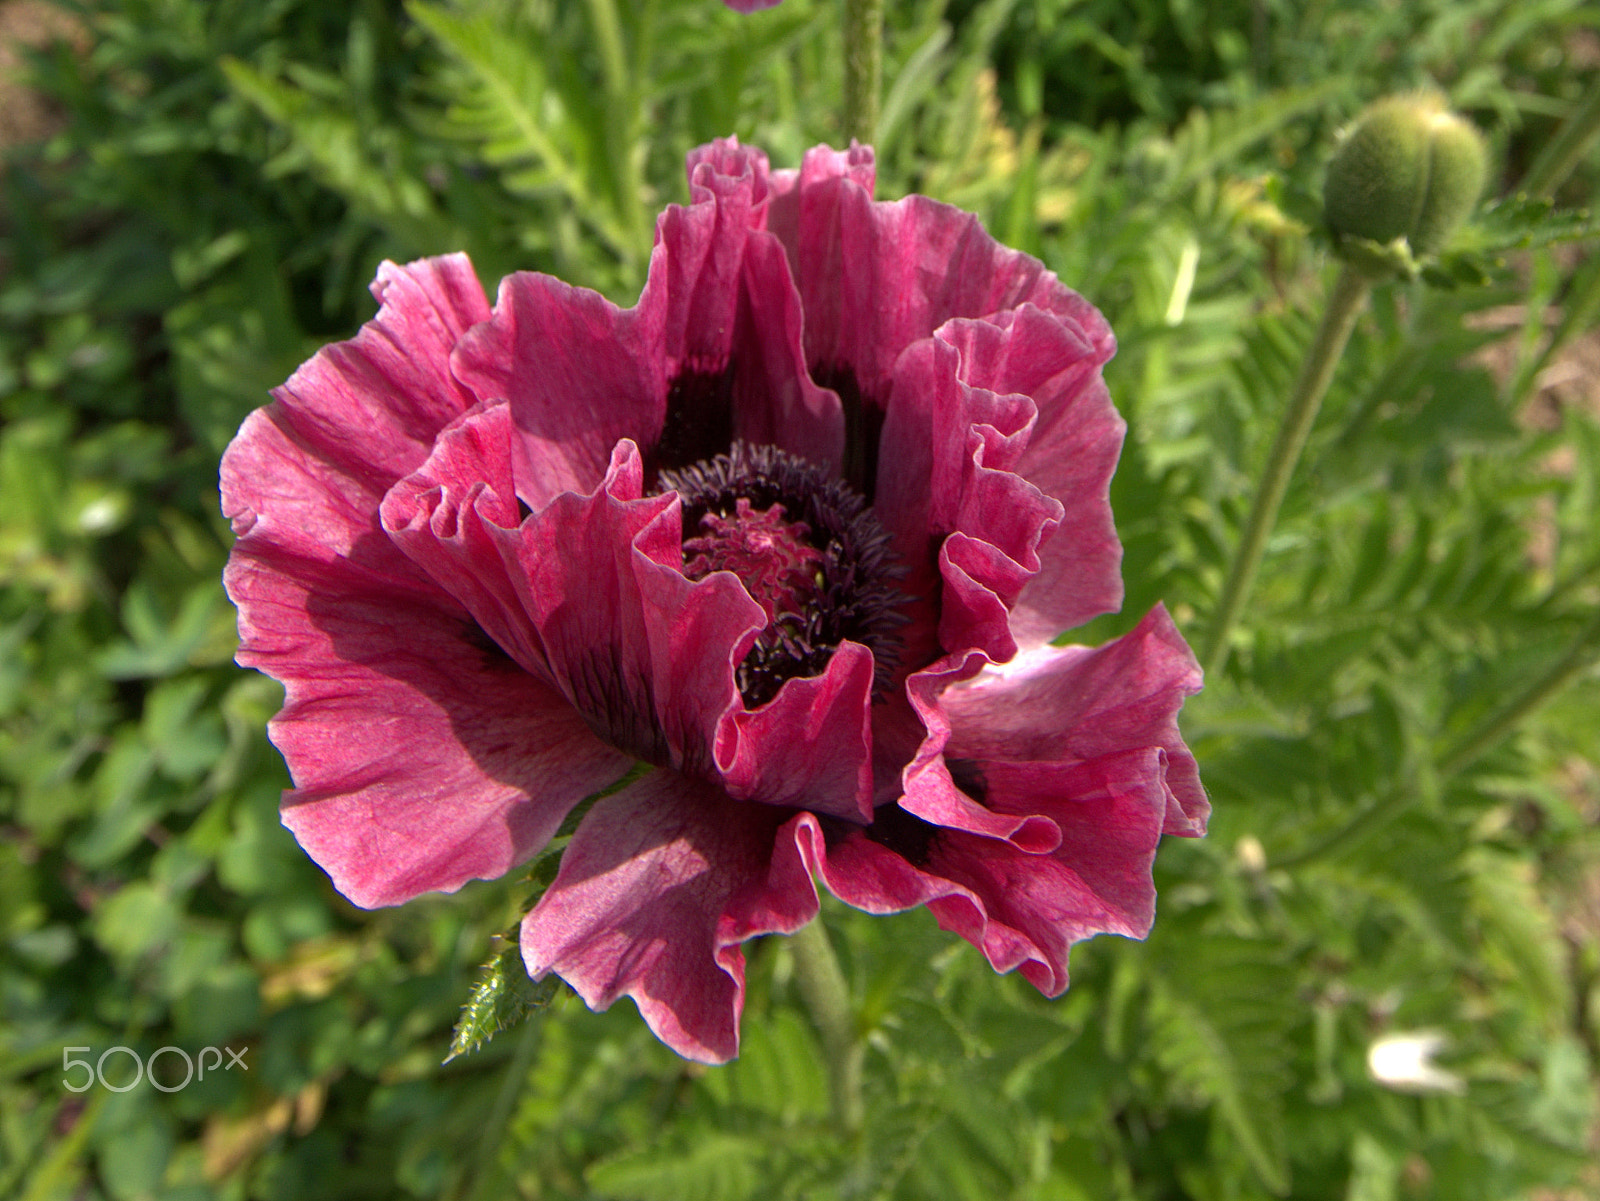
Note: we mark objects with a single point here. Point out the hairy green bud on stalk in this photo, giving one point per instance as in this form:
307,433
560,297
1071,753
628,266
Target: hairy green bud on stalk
1407,173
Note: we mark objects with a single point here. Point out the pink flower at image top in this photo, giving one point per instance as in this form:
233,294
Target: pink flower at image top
794,533
751,6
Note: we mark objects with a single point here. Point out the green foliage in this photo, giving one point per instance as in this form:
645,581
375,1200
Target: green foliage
1517,223
225,181
1220,1036
504,996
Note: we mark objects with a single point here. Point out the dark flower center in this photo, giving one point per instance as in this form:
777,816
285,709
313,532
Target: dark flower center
807,548
768,554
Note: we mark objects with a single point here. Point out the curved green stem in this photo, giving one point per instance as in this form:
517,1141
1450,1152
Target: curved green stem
823,989
477,1182
863,67
1338,320
1466,750
1493,728
1564,151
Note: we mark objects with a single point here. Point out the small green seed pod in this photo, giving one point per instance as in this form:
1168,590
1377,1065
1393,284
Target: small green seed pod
1409,168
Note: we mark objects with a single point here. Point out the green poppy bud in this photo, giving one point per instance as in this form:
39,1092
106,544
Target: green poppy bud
1409,168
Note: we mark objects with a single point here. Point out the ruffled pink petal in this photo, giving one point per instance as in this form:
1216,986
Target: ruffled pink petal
659,886
1109,812
751,6
816,182
876,277
731,315
775,401
288,502
966,524
1070,453
1025,900
420,761
923,691
587,592
810,747
1026,911
469,470
710,353
934,795
881,284
974,611
724,168
1033,808
371,406
874,878
579,373
422,757
1071,703
560,587
307,472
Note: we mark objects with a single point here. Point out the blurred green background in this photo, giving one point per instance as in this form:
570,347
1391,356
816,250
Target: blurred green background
196,194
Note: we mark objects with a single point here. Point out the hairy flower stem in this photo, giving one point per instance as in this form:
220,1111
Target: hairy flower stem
824,991
863,67
1338,320
1566,150
1466,750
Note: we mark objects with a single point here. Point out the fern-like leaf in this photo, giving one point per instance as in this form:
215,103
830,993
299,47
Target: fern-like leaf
719,1167
1217,1029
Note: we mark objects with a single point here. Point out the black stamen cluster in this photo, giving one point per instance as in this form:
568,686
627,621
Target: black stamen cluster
857,597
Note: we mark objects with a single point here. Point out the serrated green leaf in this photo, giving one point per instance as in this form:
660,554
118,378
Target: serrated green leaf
780,1069
1523,222
1207,140
370,168
1565,1109
504,996
1216,1025
1516,223
512,107
719,1167
1522,935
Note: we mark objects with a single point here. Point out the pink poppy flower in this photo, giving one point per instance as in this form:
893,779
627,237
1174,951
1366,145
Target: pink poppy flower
779,532
751,6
